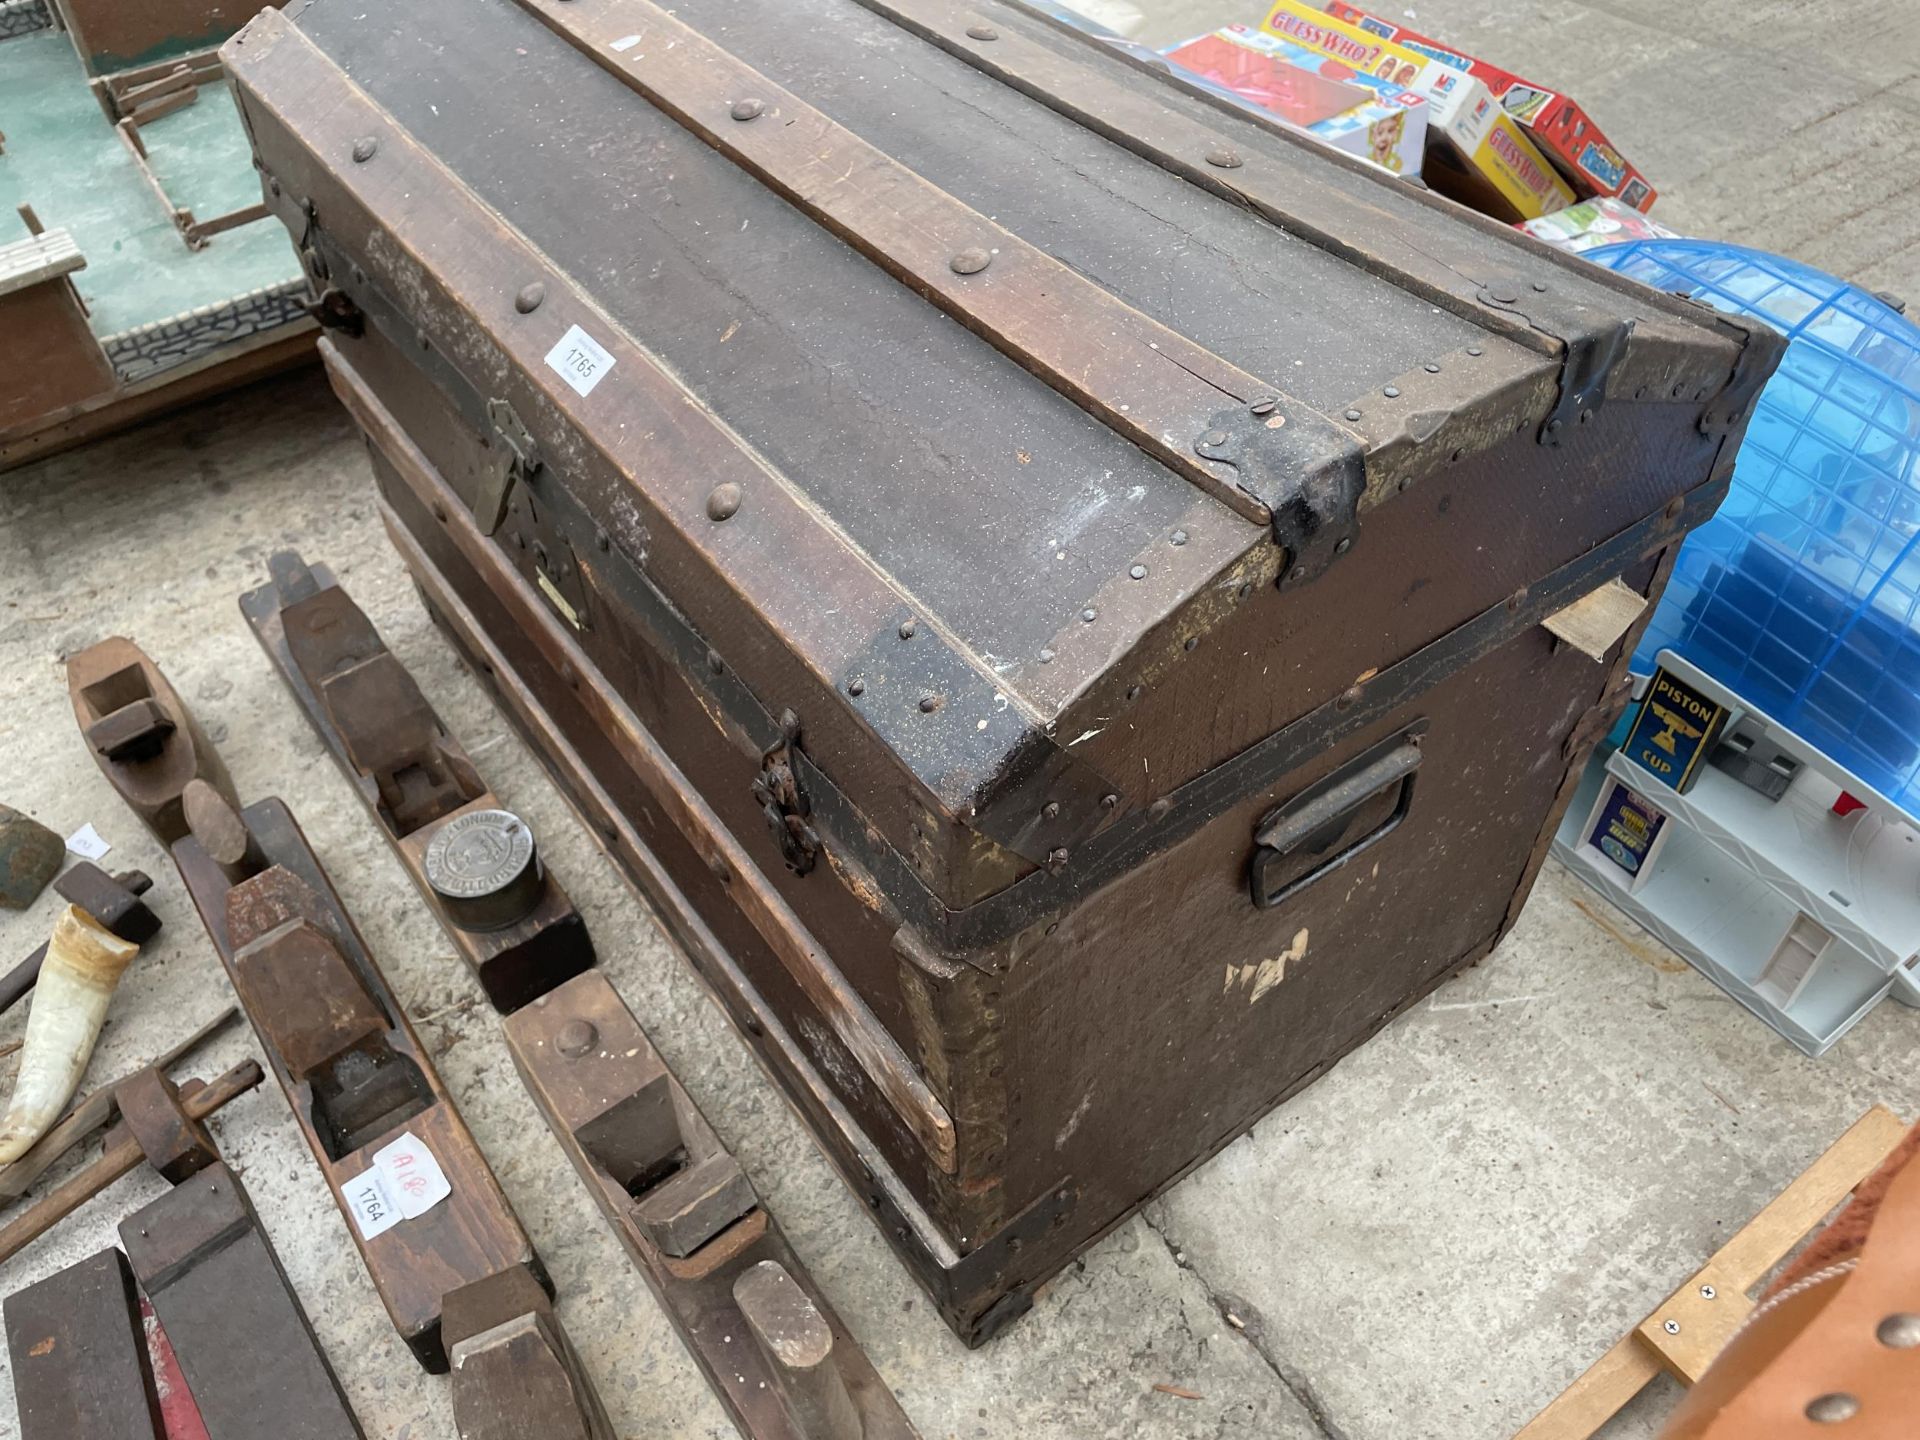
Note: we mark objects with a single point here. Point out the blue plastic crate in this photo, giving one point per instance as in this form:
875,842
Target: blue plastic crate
1802,595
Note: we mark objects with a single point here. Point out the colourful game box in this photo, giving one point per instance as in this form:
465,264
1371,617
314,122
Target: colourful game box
1476,152
1602,220
1380,123
1561,129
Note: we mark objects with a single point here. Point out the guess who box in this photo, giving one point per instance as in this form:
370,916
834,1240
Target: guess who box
1562,130
1379,122
1476,152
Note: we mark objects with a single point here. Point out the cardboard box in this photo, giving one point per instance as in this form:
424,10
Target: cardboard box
1476,152
1383,124
1563,131
1602,220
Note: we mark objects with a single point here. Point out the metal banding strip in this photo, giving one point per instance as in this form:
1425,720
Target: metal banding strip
1145,381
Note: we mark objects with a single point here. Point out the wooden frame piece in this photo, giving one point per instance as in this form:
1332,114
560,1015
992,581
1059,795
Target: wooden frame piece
80,1364
249,1355
415,778
1690,1327
767,1340
182,218
355,1075
143,737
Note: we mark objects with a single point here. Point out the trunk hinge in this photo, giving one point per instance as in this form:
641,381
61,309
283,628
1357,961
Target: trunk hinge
784,802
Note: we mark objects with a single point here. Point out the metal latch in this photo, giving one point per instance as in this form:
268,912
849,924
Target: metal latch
783,801
1332,821
515,457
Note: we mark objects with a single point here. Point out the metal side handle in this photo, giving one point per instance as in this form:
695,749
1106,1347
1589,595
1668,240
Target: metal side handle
1330,822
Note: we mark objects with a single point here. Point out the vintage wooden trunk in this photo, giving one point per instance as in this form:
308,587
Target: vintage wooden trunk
1044,579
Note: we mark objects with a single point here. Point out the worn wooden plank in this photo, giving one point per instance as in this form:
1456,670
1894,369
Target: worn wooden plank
373,735
851,1018
594,1074
515,1372
1149,382
80,1369
150,764
249,1355
378,1086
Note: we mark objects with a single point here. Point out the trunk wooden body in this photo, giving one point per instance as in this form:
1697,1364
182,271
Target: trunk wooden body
1050,762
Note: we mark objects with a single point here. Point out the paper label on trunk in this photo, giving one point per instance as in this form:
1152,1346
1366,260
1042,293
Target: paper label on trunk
86,843
580,360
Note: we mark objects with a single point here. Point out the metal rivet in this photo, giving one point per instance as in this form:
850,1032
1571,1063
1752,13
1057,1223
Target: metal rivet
1138,572
714,662
1050,811
1297,574
529,298
1502,294
1214,438
1540,286
1109,802
1475,350
748,109
439,512
1179,537
1899,1331
1347,698
1353,414
930,703
576,1038
982,32
1246,589
1831,1408
723,502
1342,545
363,149
970,261
1056,860
1046,657
1553,427
1224,159
1089,614
1707,1292
1190,643
1431,368
1262,407
1392,392
907,628
1159,808
1672,1327
1133,692
856,687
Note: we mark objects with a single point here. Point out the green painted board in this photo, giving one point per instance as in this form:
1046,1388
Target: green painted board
64,159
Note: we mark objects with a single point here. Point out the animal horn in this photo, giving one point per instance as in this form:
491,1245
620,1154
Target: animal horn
84,963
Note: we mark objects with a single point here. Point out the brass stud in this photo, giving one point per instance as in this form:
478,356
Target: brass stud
529,298
1392,392
970,261
1089,614
724,501
748,109
1353,414
982,32
576,1038
363,149
1833,1407
1899,1331
1224,159
1138,572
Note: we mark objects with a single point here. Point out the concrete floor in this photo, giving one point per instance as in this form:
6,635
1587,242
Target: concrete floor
1426,1245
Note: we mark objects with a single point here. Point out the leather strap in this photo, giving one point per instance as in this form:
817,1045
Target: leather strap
1819,1348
